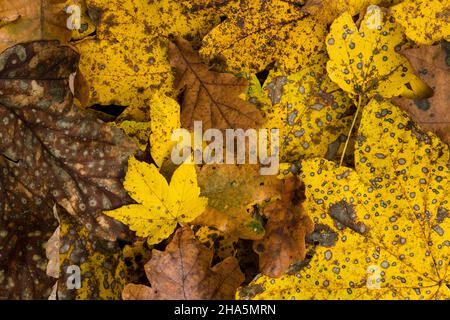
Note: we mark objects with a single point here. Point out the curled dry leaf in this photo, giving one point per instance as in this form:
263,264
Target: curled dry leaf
432,66
287,227
32,20
183,272
50,153
209,96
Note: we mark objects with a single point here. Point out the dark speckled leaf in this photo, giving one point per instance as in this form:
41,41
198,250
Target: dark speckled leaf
49,153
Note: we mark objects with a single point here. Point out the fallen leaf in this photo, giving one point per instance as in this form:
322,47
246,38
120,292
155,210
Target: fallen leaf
312,113
160,206
103,273
222,244
231,190
390,217
287,227
425,22
50,154
32,20
259,32
432,114
122,70
367,62
328,10
208,96
183,272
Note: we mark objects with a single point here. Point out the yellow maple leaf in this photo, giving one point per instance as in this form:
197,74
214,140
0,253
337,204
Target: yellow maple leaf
366,61
118,69
383,229
160,206
260,32
312,113
425,22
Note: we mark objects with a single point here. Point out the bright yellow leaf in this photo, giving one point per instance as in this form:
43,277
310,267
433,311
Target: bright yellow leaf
383,229
116,68
367,62
160,206
164,119
312,113
425,21
137,131
260,32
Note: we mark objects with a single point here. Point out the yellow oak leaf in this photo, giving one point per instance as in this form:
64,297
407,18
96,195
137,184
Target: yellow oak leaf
118,69
425,21
259,32
367,62
383,229
312,113
160,206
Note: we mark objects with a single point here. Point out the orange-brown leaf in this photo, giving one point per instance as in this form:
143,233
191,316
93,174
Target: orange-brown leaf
183,271
286,229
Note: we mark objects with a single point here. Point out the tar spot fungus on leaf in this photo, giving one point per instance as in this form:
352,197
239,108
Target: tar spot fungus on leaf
312,113
425,22
259,32
160,206
391,216
183,272
366,61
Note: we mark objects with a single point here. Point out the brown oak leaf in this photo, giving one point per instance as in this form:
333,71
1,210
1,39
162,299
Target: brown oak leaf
431,64
286,230
183,272
209,96
31,20
50,153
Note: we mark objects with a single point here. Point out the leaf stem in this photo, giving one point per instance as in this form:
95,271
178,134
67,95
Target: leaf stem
358,107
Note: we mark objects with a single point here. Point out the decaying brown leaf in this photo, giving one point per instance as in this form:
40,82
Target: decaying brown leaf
49,153
286,229
208,96
430,63
231,190
30,20
183,271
